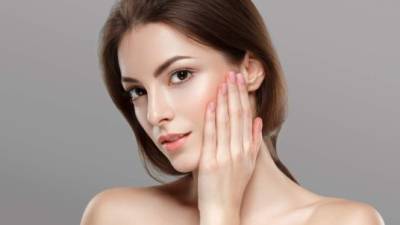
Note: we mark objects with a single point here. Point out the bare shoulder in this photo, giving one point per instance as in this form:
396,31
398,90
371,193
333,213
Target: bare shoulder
342,211
119,205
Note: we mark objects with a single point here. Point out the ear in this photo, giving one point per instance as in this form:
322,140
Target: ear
253,71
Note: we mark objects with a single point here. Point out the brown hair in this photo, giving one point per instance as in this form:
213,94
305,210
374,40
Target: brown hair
230,26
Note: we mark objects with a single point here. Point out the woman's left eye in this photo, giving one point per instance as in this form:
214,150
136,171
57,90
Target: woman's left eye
181,74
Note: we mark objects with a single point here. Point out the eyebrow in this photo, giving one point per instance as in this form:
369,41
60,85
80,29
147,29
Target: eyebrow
159,69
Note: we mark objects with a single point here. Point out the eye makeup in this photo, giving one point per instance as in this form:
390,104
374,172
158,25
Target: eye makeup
178,71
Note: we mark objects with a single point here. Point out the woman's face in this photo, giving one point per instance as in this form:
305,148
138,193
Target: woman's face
175,100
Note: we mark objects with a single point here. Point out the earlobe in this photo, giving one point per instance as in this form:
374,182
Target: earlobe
253,71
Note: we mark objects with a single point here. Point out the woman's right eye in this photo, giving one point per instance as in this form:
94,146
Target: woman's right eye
137,90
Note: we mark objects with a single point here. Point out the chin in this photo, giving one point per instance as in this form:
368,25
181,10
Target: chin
186,162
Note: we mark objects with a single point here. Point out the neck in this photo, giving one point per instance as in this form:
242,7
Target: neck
268,190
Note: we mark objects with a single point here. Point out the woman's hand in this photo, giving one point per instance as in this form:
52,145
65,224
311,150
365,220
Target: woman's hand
230,147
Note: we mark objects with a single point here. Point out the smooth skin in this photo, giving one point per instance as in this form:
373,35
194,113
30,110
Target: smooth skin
230,147
269,197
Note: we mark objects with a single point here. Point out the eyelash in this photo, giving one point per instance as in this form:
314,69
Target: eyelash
173,73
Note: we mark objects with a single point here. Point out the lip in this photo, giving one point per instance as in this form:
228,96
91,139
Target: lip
169,136
175,145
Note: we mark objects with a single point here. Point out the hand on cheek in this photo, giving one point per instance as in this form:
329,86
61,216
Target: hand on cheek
231,143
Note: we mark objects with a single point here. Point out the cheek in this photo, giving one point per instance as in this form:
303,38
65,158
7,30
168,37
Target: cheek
195,97
142,119
190,100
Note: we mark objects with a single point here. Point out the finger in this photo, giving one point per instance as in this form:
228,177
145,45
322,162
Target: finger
246,114
222,124
257,137
208,152
235,111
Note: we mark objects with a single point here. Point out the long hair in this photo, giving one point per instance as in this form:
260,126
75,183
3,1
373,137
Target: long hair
229,26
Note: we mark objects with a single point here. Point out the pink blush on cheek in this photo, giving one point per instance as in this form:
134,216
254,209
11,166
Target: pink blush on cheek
201,91
197,112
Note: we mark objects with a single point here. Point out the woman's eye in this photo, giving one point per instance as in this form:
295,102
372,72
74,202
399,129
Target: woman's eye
180,74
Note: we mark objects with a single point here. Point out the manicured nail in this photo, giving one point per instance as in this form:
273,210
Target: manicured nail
240,78
211,106
232,77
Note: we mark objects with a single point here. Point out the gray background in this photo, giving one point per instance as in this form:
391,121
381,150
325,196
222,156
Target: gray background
63,141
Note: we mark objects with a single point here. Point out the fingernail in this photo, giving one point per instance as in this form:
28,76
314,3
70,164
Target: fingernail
211,107
232,77
240,78
261,125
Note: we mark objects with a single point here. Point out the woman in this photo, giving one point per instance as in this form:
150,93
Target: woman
200,84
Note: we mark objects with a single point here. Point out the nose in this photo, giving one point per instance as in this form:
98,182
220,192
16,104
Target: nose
159,110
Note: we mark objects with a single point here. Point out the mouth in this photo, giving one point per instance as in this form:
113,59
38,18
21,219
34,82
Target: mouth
172,146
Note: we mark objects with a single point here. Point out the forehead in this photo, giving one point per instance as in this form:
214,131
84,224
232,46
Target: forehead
150,45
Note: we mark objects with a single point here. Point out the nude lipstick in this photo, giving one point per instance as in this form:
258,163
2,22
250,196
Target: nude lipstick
173,146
